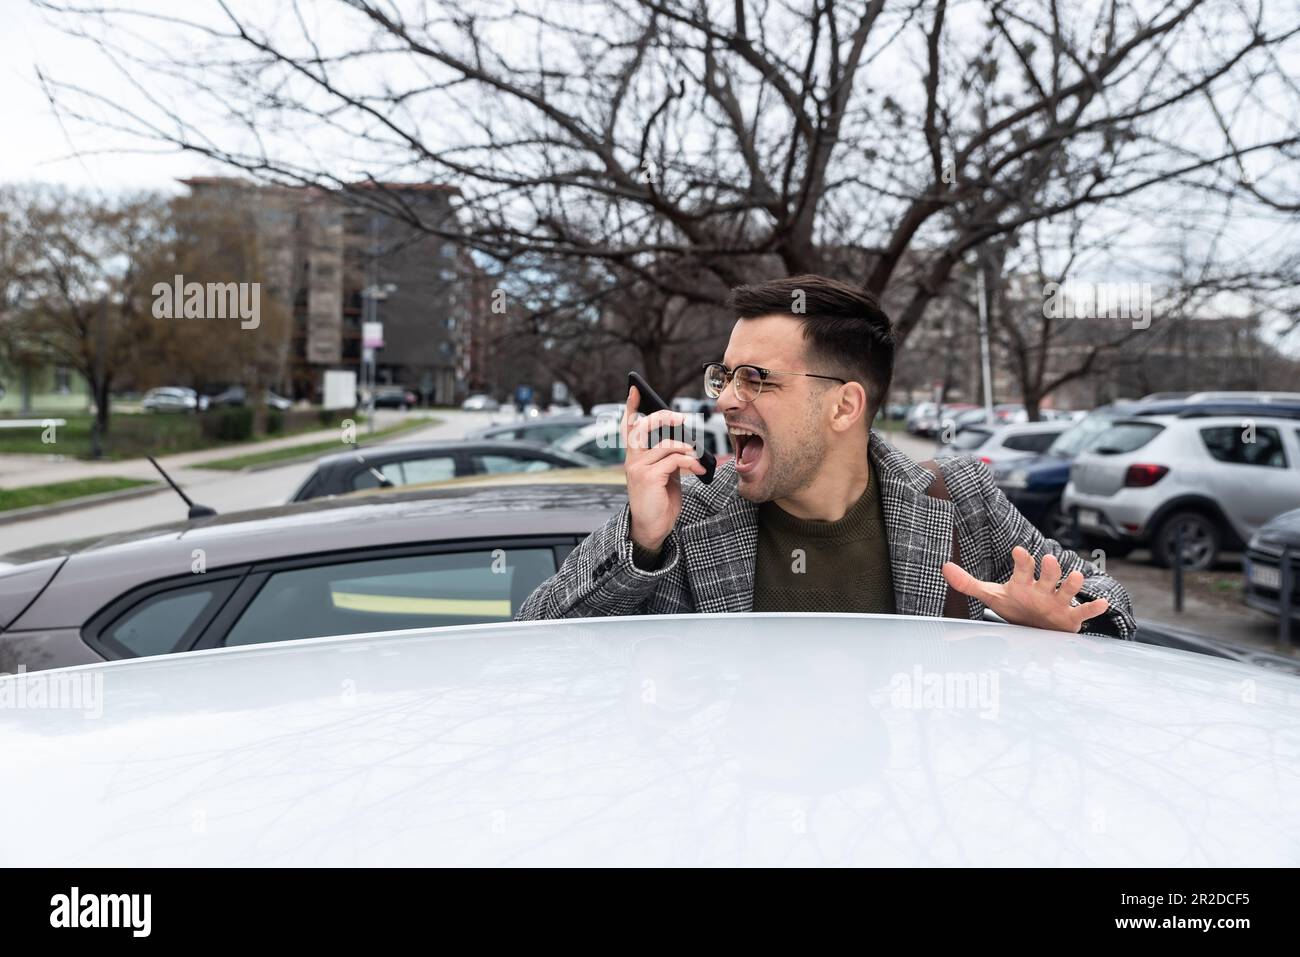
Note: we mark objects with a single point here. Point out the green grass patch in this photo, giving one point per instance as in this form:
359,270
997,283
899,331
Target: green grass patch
254,459
135,435
62,491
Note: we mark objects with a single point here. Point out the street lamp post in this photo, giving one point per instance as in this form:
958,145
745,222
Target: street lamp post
372,339
372,330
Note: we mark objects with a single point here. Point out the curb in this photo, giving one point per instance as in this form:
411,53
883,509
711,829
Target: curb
13,515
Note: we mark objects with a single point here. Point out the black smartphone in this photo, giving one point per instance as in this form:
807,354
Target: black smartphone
651,401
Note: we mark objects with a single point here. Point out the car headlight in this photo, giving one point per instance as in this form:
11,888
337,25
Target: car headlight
1016,478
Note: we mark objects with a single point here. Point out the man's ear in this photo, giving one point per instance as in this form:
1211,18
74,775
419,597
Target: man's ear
850,406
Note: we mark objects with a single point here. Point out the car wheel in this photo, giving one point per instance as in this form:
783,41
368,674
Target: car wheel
1200,541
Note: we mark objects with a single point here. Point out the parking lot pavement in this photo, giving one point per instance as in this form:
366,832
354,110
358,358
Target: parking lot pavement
1212,603
915,448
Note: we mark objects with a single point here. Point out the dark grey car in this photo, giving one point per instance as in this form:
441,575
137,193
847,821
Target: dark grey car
415,559
414,463
1263,567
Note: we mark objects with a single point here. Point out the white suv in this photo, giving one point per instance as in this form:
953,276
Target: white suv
1215,478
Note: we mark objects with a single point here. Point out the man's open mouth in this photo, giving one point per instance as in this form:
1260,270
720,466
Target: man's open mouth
749,448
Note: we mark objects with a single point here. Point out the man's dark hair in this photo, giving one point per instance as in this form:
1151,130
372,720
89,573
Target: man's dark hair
847,332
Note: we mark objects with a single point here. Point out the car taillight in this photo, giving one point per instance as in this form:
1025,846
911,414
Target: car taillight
1142,476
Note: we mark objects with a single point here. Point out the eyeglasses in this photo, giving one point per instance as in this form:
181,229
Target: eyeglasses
746,380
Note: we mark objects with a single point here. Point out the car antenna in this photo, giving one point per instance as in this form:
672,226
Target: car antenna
384,481
196,511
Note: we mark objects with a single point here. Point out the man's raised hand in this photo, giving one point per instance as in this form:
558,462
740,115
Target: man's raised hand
654,489
1042,602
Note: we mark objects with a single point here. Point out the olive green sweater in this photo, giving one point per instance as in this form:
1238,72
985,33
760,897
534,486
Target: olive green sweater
811,565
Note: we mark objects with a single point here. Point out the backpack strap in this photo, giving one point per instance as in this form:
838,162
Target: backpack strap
955,604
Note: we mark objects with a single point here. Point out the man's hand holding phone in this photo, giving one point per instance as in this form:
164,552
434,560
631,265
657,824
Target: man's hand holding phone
654,488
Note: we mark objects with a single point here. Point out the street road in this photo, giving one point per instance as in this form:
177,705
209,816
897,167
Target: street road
224,491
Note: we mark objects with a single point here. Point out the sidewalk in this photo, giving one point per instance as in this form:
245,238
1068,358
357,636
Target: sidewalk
24,471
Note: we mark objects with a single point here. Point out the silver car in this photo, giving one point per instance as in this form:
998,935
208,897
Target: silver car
174,399
739,740
1211,480
999,444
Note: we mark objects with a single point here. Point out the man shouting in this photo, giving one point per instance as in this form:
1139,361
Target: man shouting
817,512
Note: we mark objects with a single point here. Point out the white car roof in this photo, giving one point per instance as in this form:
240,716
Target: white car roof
1007,428
697,740
1209,421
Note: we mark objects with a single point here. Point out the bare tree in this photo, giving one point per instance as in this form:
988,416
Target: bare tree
86,280
738,140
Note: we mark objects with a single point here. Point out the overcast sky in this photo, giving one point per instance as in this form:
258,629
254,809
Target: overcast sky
39,148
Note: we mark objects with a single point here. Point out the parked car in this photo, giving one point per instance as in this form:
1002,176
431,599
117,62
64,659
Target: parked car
601,440
932,422
405,559
1263,565
921,411
1061,415
174,399
237,395
1003,443
1035,485
414,463
480,403
391,397
1266,398
544,429
777,740
683,403
1006,414
1211,478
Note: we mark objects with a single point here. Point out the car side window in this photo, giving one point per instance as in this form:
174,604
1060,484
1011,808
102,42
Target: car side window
612,451
1239,445
416,591
1030,442
165,622
546,433
500,464
437,468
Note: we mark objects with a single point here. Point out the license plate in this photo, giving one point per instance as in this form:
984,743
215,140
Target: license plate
1264,576
1090,517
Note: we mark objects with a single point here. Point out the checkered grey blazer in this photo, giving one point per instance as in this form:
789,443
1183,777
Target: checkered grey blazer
708,558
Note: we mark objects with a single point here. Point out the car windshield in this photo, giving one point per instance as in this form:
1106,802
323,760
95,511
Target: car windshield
1071,443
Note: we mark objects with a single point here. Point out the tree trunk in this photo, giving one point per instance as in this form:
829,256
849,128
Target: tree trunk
26,388
99,434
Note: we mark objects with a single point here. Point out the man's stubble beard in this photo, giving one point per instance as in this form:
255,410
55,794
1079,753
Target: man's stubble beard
793,468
